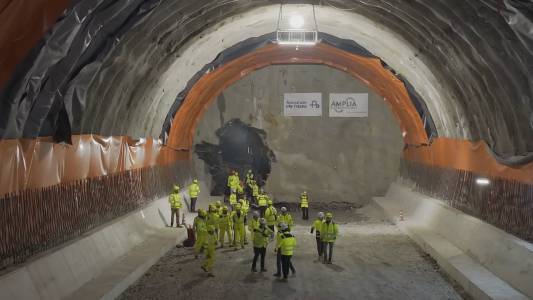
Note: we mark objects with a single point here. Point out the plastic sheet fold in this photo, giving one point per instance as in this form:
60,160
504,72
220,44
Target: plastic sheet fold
37,163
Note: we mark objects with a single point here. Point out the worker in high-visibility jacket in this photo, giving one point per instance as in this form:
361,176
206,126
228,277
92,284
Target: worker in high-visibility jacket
285,217
225,225
271,215
194,191
245,208
304,205
282,229
175,204
253,223
210,244
219,207
200,229
212,217
317,226
262,201
255,192
260,240
286,246
233,201
238,218
233,181
328,234
248,184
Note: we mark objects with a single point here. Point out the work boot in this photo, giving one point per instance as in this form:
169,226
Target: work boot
254,270
263,270
276,275
210,274
203,268
196,256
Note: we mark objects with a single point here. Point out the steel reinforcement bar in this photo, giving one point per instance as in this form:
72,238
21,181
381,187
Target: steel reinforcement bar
506,204
36,220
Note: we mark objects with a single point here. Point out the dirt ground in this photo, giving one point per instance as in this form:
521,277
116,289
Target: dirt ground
372,260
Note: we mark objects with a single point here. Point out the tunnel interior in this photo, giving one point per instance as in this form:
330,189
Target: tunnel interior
104,106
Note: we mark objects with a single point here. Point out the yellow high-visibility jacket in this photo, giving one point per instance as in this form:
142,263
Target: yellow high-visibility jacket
329,232
175,200
287,244
271,215
304,201
286,218
194,190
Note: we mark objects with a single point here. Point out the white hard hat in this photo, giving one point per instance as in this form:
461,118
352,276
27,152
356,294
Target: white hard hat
262,221
321,215
283,209
256,213
283,226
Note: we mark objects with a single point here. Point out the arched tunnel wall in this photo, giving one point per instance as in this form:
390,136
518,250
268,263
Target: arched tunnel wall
113,69
334,159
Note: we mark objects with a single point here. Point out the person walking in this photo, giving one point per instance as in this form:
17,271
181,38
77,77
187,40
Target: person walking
210,244
317,226
304,205
200,228
194,191
287,245
282,229
175,204
328,234
253,224
260,240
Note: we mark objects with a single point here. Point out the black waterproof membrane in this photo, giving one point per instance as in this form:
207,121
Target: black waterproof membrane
481,51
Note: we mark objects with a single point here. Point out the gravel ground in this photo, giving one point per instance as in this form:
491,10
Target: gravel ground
372,260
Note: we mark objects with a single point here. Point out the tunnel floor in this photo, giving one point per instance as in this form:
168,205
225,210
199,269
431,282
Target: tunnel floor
372,260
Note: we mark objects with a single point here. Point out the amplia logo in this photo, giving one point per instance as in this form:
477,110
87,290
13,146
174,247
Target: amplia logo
346,104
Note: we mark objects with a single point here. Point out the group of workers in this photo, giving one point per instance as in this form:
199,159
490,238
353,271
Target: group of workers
221,222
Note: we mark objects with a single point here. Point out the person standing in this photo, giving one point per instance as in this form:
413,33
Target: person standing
224,224
262,201
287,245
304,205
194,191
232,201
255,192
253,224
238,218
286,218
175,204
328,234
210,242
261,235
317,226
212,217
271,215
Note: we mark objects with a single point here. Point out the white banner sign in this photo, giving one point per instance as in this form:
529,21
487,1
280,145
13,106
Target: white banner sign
348,105
302,104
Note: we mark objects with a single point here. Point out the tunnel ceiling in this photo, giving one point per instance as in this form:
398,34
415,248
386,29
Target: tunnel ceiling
116,67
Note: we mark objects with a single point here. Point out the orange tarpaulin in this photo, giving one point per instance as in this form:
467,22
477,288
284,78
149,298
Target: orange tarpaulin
36,163
368,70
469,156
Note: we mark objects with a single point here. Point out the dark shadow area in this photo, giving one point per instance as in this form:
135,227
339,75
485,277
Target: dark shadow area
241,148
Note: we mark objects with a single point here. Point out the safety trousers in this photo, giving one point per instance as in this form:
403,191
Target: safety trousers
224,230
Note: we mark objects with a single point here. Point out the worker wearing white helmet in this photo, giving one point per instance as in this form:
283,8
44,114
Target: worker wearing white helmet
317,226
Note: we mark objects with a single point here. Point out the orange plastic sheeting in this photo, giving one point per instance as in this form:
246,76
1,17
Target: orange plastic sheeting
368,70
35,163
469,156
24,23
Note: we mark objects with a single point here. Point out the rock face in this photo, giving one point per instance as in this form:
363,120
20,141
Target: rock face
334,159
241,148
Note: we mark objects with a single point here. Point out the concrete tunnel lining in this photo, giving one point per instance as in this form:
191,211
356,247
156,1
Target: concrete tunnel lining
159,93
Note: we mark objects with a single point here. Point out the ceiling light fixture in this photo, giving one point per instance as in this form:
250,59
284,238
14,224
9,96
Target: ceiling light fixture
297,25
482,181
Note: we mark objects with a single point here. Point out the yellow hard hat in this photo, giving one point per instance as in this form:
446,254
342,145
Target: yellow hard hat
218,203
195,181
329,215
176,187
270,202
